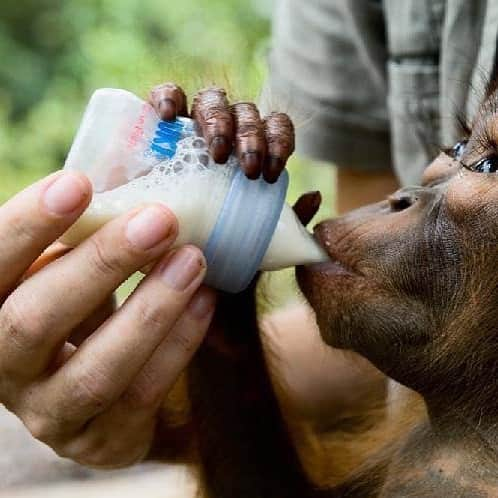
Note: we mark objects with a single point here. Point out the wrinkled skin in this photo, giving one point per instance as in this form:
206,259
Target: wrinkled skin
412,286
411,275
262,145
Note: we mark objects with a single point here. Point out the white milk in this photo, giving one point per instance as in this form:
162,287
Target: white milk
113,148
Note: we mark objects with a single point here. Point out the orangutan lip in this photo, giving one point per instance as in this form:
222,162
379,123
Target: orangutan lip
330,268
335,266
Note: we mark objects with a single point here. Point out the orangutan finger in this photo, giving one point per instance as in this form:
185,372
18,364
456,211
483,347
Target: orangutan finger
169,101
280,141
211,110
307,206
250,142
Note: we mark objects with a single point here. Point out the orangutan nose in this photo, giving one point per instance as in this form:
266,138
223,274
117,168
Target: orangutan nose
404,198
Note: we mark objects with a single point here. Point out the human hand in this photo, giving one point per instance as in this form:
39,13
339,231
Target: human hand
96,403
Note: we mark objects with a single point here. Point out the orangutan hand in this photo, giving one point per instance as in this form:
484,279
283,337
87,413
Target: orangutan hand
261,145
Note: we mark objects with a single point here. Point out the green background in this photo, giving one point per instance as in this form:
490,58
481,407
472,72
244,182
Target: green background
54,53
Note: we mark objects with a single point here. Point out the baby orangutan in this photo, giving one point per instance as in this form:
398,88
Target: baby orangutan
411,286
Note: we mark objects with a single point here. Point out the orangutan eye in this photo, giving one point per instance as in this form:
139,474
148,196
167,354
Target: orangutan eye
488,165
457,151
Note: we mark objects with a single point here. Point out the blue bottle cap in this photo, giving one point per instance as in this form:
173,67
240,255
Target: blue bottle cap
243,231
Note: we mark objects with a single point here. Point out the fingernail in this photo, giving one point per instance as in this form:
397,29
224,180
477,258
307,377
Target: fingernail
251,162
65,194
273,167
183,268
167,109
220,149
202,304
149,227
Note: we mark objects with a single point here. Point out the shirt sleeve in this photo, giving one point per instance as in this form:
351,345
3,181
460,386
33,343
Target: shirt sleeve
328,71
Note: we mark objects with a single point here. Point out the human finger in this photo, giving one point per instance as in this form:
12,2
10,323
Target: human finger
36,217
173,354
134,413
110,359
41,313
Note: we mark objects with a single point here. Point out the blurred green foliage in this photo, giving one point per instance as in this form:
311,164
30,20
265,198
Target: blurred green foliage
54,53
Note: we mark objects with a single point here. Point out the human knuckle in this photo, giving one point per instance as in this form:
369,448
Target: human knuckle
90,393
185,342
151,314
86,452
105,262
24,232
142,394
20,325
103,450
136,453
78,447
97,456
40,427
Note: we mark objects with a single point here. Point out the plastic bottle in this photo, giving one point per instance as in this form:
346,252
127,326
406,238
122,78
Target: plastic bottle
132,158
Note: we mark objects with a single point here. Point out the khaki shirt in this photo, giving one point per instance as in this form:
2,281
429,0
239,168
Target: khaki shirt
377,84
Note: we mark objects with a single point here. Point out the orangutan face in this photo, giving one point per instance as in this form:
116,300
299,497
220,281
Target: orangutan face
412,282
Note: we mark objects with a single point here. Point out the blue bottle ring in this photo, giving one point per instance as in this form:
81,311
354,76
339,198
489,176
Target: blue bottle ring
243,231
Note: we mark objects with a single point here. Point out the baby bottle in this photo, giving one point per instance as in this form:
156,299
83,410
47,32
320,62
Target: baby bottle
132,157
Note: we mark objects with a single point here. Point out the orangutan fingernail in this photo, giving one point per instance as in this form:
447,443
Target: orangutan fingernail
251,164
220,149
273,168
167,109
